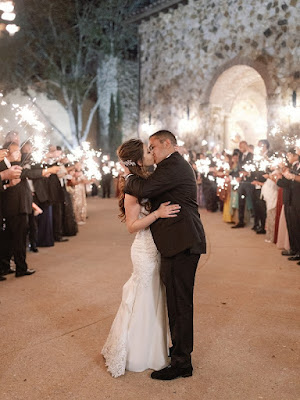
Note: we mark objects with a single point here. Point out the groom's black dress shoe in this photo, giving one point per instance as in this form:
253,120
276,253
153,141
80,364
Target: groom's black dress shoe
23,273
2,278
169,373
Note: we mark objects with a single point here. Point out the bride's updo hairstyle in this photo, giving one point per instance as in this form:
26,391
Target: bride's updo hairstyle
131,153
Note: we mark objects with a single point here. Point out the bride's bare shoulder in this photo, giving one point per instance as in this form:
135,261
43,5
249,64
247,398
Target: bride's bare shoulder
130,200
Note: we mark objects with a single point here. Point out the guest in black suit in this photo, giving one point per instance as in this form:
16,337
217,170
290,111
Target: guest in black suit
180,241
245,188
26,150
12,173
16,206
291,183
57,197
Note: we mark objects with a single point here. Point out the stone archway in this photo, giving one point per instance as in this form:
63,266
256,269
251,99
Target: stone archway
238,103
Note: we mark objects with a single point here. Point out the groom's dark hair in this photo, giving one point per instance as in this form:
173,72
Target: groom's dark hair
163,135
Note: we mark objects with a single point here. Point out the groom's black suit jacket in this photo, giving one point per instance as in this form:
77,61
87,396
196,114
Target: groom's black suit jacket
173,180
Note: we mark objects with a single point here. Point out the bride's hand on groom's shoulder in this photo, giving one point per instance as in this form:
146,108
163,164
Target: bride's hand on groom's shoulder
167,210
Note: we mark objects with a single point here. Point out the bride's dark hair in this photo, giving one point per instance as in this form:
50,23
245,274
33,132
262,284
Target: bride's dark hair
131,151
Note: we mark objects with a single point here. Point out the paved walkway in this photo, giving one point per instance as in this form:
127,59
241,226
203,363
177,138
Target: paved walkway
247,324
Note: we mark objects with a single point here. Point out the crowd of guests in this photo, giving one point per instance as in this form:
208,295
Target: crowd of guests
40,204
258,185
44,203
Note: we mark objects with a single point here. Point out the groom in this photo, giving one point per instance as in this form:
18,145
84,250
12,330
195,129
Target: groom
180,241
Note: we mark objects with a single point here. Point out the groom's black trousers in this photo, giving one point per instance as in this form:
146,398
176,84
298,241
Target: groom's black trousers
178,275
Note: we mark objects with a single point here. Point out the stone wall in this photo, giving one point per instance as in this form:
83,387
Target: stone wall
184,52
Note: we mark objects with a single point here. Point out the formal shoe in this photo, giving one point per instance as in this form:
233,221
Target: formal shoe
296,257
239,225
298,263
171,351
34,249
255,227
23,273
169,373
261,231
288,253
9,271
2,278
62,240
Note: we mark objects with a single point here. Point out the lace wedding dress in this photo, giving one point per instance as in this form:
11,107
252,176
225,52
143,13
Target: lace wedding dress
138,338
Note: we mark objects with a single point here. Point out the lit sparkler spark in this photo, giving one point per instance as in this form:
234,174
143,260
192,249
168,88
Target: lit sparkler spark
28,116
39,148
203,166
234,184
87,157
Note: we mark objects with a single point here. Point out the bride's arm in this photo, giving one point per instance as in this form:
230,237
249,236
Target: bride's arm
133,208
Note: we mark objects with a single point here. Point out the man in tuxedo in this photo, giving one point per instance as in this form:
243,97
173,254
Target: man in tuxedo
16,206
291,191
245,188
11,173
180,241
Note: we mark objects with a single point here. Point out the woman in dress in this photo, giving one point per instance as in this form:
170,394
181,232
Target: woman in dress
79,194
138,338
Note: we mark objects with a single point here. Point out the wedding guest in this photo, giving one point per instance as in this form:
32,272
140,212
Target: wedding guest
26,150
234,196
286,184
56,194
79,194
17,204
269,192
106,181
245,190
292,176
10,174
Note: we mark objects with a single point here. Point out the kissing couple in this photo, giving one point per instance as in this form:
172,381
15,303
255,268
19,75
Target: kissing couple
162,208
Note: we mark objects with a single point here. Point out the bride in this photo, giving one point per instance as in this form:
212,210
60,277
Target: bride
138,338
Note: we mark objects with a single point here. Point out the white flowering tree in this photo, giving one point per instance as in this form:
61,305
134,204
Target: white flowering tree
58,51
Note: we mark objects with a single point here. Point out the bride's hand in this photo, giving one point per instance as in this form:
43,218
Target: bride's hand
167,210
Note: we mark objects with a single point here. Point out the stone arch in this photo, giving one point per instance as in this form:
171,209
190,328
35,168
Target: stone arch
260,65
238,106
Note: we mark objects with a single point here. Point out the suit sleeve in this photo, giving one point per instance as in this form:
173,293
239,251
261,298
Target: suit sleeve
31,173
162,180
283,182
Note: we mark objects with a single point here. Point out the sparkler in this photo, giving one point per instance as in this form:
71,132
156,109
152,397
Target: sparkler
203,166
87,157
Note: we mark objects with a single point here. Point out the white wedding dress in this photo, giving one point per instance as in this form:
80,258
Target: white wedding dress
138,338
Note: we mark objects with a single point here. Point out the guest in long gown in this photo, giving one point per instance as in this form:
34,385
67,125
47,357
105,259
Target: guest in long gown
269,193
79,194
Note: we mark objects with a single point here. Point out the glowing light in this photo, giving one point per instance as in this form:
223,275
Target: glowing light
12,29
28,116
180,143
8,16
186,126
39,148
203,166
147,128
88,157
204,142
235,184
7,6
